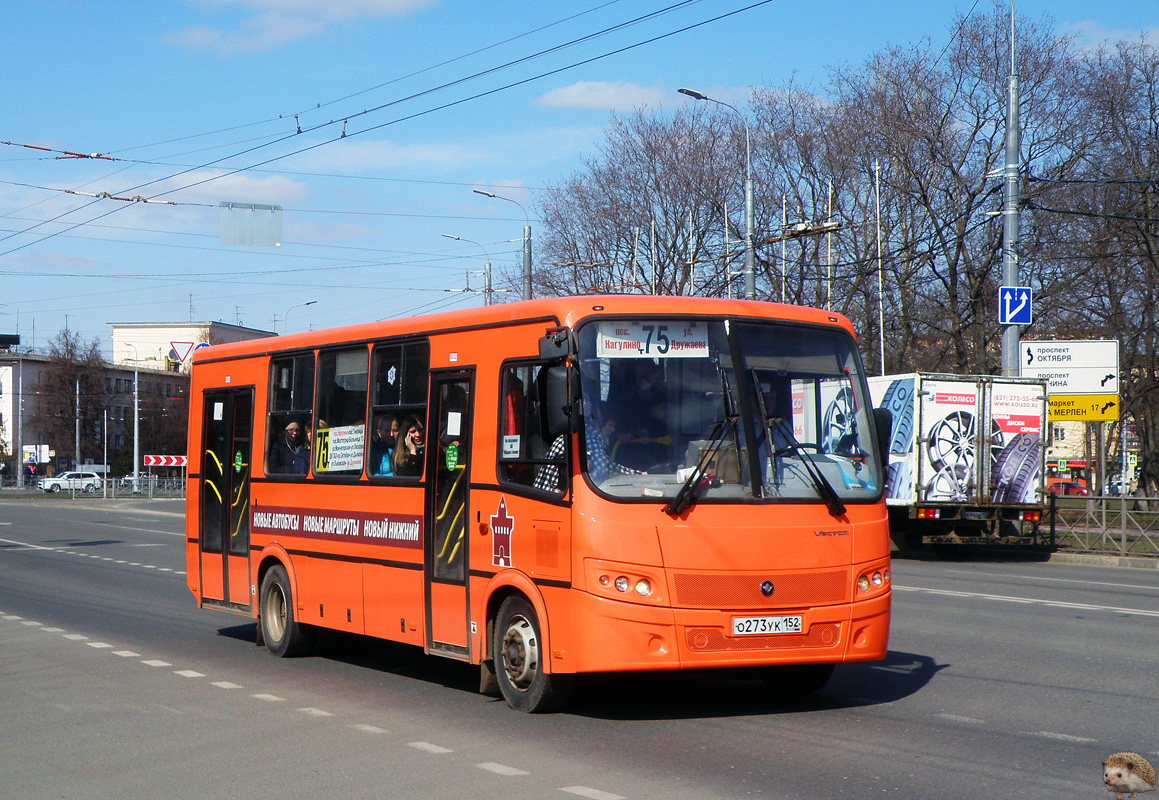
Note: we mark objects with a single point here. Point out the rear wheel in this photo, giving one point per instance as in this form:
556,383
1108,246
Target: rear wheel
797,680
284,636
519,661
54,488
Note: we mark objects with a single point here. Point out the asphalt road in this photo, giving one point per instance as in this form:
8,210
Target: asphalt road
1007,678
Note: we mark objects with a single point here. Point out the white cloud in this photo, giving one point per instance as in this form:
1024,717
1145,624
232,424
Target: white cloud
277,22
603,96
1089,34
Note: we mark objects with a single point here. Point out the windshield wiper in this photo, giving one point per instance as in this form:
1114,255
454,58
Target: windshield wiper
687,494
824,489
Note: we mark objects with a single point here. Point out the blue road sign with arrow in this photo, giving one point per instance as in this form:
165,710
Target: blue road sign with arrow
1014,305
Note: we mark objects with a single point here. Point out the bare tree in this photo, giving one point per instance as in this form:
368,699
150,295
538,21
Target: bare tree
649,211
1104,219
75,374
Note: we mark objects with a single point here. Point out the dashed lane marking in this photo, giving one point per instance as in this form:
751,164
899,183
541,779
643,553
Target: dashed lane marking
315,712
964,720
502,769
1049,603
594,794
1060,737
189,673
94,556
367,728
227,685
156,662
269,698
427,747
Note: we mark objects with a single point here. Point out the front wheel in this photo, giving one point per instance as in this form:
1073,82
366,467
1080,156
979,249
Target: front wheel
284,636
519,661
91,488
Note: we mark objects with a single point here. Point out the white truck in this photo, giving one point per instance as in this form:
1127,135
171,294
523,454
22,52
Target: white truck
966,461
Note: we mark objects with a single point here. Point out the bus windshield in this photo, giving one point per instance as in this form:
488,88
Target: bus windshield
681,411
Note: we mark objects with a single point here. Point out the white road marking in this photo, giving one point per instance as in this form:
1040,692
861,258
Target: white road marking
32,623
594,794
189,673
269,698
501,769
76,637
52,630
367,728
315,712
1043,578
1061,737
1049,603
226,685
156,662
427,747
12,617
965,720
126,653
99,645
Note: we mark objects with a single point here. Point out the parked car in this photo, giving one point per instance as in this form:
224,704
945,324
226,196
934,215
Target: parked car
1063,487
72,481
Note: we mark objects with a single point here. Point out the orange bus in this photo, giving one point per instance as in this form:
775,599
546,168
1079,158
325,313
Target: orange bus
550,488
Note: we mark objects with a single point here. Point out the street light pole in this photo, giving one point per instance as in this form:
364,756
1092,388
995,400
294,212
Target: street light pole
285,317
526,240
136,422
486,266
749,257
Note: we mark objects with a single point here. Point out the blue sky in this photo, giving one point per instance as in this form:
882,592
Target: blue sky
197,99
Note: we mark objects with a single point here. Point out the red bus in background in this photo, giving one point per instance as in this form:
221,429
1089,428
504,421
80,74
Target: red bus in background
551,488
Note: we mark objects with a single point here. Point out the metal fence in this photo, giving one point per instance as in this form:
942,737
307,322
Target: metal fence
147,486
1123,526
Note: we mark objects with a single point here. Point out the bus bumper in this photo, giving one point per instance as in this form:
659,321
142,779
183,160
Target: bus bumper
622,636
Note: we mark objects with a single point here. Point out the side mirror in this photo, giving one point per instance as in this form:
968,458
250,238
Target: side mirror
556,404
556,343
883,427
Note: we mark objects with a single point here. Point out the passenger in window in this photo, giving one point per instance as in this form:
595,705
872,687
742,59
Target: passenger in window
382,445
547,475
600,463
288,454
410,447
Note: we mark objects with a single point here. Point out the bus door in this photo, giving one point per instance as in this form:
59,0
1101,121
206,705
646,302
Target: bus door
448,489
227,422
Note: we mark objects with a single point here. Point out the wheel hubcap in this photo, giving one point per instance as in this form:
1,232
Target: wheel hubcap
520,653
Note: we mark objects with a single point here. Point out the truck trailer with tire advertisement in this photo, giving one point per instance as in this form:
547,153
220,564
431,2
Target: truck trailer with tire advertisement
966,463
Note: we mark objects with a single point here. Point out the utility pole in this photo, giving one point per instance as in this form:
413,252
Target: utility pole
1011,332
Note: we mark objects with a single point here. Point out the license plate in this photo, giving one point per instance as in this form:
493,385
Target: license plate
763,626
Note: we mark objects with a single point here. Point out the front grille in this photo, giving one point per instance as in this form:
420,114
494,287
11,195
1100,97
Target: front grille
743,590
705,640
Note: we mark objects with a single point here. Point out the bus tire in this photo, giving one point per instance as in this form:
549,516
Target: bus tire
284,636
519,661
797,680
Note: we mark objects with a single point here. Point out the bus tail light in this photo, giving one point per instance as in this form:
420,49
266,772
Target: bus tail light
1031,516
928,513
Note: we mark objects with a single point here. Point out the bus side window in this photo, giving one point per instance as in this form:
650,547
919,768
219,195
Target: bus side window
339,440
398,396
291,404
529,453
